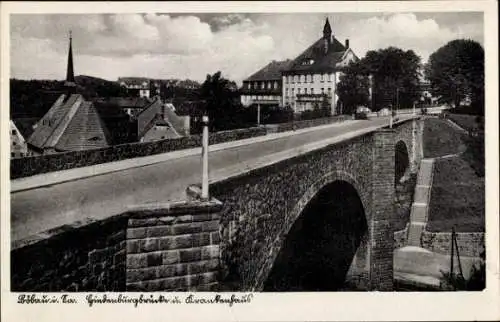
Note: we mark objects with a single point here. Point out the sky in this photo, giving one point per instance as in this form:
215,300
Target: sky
190,46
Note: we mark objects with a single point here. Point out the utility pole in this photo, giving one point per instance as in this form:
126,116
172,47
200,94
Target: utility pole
258,114
204,154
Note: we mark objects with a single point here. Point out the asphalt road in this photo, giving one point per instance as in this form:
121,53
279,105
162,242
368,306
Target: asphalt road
98,197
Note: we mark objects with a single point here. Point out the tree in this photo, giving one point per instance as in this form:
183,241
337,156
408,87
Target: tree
353,88
395,80
456,71
395,74
222,104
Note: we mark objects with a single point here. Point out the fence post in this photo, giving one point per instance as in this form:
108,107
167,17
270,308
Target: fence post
204,149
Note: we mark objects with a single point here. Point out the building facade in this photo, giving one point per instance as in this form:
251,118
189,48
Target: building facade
140,87
265,86
312,78
305,82
18,146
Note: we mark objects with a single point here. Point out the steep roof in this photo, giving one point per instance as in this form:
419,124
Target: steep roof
271,71
85,131
67,123
321,62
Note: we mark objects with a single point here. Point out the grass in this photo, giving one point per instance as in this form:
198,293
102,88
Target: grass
440,139
457,196
467,122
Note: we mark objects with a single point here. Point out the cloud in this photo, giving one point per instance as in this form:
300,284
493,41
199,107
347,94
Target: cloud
190,46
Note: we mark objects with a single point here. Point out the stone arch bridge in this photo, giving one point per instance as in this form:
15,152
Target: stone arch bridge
313,220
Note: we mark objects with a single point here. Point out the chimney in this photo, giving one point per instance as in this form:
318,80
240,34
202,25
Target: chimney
346,43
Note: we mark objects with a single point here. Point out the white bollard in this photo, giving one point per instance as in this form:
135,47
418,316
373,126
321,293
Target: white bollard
204,155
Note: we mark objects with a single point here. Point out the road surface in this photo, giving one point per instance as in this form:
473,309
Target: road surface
98,197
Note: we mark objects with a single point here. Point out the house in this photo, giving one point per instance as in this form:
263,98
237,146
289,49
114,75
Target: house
140,87
265,86
307,81
18,146
313,75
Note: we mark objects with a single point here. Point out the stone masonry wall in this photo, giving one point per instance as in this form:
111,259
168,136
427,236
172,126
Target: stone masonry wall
166,247
88,258
401,238
469,244
383,211
174,249
25,167
260,205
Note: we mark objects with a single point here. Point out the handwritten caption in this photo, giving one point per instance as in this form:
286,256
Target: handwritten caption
118,298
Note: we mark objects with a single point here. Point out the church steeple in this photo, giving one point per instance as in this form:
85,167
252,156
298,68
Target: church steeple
327,30
327,35
70,76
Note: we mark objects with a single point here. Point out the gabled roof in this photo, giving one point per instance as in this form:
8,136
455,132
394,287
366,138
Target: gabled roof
68,125
321,62
85,131
271,71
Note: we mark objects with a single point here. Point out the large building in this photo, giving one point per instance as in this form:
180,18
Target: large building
265,86
308,80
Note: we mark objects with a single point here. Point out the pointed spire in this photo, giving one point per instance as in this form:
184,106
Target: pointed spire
327,30
70,76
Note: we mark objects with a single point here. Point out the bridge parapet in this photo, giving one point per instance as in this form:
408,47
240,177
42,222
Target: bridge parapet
153,247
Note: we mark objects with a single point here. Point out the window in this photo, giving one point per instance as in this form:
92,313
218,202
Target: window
302,78
290,79
331,77
268,85
14,143
308,78
312,78
322,78
12,155
14,132
322,90
296,79
249,85
262,85
275,84
305,90
312,90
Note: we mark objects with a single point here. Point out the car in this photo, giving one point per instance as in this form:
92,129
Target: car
363,109
384,112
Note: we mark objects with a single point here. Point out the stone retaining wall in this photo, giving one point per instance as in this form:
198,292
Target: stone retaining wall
469,244
401,237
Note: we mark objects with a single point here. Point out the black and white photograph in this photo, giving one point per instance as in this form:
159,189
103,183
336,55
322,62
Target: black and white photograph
178,152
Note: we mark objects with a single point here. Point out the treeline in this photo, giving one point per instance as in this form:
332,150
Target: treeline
33,98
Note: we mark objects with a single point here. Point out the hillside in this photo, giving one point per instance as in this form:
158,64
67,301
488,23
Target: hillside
33,98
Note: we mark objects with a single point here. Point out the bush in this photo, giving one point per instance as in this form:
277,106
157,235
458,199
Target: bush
476,281
424,111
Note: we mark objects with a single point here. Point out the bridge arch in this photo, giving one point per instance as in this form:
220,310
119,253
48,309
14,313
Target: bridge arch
402,161
330,213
